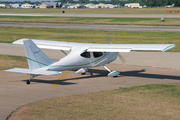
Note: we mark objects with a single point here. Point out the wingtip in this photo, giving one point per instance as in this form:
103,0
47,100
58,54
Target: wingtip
20,41
168,47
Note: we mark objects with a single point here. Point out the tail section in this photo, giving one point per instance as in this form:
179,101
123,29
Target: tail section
35,56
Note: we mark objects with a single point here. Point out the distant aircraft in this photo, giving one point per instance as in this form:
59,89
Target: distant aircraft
170,5
81,57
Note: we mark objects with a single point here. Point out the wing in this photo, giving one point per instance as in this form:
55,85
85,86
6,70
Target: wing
57,45
129,47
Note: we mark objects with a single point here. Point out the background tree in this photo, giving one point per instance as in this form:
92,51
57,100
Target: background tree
37,2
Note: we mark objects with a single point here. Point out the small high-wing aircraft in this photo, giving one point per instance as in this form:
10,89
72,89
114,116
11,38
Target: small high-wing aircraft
81,57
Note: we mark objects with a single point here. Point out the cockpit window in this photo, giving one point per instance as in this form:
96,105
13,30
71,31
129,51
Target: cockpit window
86,54
97,54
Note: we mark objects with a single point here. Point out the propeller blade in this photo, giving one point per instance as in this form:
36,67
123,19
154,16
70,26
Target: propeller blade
123,60
109,40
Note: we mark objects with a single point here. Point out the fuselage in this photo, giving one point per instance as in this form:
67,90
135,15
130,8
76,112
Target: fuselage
82,59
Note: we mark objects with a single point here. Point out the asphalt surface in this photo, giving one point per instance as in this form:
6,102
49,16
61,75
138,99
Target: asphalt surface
93,26
95,15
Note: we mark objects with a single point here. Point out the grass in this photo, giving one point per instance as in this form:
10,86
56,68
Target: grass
96,11
10,34
8,62
94,20
160,102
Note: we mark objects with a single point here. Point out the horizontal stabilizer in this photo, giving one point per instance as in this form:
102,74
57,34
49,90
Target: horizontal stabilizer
35,72
19,70
41,72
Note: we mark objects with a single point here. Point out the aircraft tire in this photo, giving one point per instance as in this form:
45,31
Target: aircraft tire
28,82
115,76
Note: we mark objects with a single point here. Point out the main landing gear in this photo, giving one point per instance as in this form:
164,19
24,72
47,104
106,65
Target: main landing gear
114,73
83,73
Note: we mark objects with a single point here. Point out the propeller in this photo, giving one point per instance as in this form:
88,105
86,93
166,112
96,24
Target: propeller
123,60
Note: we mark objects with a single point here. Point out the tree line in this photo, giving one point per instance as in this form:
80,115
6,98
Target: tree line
149,3
162,2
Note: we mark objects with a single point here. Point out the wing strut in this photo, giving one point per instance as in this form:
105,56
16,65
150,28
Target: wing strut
64,52
106,68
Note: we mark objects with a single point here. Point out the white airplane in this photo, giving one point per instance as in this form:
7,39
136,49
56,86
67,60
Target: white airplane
82,56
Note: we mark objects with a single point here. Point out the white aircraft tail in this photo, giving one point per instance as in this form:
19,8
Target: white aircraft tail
35,56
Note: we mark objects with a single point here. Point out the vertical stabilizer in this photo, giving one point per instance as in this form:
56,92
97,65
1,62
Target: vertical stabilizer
35,57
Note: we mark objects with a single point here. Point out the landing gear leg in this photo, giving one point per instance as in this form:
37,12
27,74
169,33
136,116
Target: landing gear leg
114,73
106,68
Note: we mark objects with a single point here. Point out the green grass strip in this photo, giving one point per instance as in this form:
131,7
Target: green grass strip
11,34
94,20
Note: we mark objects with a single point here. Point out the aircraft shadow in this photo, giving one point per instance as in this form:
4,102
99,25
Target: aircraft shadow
58,82
95,73
139,73
99,73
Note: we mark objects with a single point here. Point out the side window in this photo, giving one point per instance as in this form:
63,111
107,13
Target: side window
97,54
86,54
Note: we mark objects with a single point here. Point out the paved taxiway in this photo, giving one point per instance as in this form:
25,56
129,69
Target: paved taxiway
93,26
95,15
